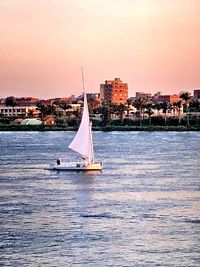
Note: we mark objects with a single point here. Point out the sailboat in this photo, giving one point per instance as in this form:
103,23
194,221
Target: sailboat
82,144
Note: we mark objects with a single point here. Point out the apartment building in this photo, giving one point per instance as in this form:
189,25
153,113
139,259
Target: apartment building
114,90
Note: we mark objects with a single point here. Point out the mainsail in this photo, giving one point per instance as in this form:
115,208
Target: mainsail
82,142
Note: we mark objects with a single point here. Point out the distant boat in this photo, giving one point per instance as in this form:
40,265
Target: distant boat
82,144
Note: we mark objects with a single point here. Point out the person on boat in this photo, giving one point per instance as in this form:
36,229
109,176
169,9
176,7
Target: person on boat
85,162
58,161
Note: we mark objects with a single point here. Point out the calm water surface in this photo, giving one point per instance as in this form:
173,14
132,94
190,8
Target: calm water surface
142,210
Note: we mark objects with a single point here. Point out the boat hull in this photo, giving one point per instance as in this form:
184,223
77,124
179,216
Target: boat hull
77,167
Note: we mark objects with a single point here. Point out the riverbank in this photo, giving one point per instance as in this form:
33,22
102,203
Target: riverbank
106,128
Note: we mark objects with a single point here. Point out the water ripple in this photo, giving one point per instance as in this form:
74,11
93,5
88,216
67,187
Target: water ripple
142,210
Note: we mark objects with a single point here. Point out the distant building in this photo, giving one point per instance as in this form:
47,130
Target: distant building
78,98
169,98
51,101
90,97
21,101
48,101
114,90
26,101
93,96
72,98
156,96
197,94
142,95
132,98
174,98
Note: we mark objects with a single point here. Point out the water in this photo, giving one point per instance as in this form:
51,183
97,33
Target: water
142,210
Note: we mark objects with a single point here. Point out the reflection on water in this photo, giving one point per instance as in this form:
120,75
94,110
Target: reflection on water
142,210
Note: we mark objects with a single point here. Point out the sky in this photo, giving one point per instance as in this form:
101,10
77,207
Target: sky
153,45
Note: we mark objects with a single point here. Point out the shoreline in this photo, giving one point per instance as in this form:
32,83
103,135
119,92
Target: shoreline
42,128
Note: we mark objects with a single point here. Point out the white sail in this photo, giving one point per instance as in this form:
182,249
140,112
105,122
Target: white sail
82,142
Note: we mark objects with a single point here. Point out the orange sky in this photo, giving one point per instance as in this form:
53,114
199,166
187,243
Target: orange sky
153,45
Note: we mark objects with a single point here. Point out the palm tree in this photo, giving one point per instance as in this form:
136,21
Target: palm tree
128,107
179,106
186,96
121,109
140,103
149,111
165,106
158,106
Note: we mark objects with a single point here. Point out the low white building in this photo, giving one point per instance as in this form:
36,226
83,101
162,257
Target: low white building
16,111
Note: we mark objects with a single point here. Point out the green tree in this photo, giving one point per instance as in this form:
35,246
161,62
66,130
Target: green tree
77,115
65,106
43,110
92,105
106,117
11,102
113,109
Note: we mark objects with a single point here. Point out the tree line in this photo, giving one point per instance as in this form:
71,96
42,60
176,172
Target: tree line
111,114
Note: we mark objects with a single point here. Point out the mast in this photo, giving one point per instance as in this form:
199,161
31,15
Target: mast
91,143
90,123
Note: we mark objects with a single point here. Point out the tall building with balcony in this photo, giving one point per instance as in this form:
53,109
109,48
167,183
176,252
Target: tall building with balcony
114,90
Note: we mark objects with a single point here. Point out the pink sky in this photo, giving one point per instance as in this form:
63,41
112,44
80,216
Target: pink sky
153,45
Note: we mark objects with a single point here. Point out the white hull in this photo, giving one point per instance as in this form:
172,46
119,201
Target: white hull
77,167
